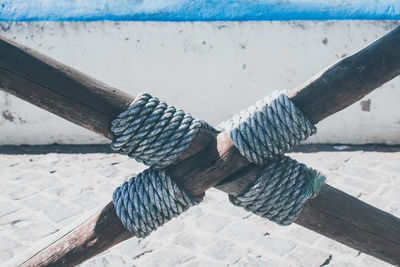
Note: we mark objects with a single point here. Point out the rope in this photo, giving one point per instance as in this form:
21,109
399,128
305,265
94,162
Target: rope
280,191
148,200
268,129
262,133
153,132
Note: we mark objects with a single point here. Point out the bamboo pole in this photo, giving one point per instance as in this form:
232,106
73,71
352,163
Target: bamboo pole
68,93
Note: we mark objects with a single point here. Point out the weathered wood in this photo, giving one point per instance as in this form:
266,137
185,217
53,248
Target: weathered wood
65,91
97,233
352,78
340,217
354,223
59,89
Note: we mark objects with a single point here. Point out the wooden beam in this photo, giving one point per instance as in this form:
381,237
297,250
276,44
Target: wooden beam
354,223
59,89
96,234
340,217
65,91
350,79
353,78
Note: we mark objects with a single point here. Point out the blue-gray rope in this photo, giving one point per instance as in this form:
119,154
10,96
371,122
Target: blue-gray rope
262,133
280,191
148,200
268,129
153,132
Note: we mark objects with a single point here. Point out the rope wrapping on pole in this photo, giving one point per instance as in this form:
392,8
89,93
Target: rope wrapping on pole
262,133
327,93
150,199
280,191
153,132
156,134
268,128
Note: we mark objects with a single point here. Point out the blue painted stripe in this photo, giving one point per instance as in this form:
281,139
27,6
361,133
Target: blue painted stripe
193,10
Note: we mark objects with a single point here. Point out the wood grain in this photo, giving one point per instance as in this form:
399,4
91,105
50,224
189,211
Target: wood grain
350,79
341,217
216,161
354,223
59,89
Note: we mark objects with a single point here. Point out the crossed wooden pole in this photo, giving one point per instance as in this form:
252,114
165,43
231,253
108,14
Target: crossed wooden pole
211,160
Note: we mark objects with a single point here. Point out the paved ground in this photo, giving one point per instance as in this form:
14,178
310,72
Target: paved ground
45,195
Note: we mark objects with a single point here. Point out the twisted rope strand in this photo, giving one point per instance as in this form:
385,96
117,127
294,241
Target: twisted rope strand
150,199
268,129
280,191
262,133
153,132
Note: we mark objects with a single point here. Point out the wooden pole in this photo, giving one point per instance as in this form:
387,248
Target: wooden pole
336,88
341,217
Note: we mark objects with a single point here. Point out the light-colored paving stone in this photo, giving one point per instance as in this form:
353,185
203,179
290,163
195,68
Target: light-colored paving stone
43,195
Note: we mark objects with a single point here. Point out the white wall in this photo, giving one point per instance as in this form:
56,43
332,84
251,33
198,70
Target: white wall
210,69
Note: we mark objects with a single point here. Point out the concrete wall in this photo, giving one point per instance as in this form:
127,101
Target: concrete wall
197,10
210,69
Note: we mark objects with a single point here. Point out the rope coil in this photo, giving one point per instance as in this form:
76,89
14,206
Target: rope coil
268,129
280,191
150,199
262,133
153,132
